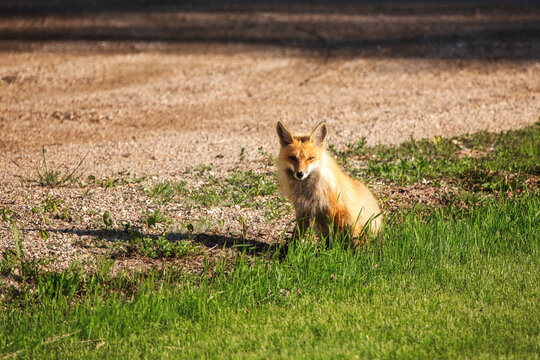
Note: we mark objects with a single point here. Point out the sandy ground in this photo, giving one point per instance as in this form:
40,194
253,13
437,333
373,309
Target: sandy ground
160,92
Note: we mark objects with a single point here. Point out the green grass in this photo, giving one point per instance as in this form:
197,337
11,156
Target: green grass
166,191
10,218
159,247
438,283
131,243
450,284
503,160
52,177
122,178
153,218
242,188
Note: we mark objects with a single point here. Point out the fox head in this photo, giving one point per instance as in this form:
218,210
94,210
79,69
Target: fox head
300,155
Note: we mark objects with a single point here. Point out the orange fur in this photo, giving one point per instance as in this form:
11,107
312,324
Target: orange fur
337,213
320,191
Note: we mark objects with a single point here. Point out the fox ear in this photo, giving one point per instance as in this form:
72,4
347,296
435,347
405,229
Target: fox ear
319,134
285,137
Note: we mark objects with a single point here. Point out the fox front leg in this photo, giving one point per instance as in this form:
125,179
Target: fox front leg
304,226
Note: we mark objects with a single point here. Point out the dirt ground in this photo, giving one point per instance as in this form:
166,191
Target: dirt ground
159,89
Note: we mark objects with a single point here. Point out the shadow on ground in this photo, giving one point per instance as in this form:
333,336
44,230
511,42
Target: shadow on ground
210,241
58,7
432,29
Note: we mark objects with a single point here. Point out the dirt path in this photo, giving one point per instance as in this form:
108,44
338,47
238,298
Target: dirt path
160,92
386,73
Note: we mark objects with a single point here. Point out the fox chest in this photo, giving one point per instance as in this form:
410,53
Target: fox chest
310,197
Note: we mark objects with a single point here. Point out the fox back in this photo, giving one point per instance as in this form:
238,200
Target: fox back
321,193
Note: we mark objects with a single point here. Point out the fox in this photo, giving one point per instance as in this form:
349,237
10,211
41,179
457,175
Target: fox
323,196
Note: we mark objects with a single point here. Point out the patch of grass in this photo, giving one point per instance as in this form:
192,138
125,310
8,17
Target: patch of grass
107,219
54,206
51,204
131,242
161,247
267,158
123,178
8,262
11,217
241,188
480,162
151,219
203,169
450,284
276,208
248,185
242,155
165,191
106,183
201,225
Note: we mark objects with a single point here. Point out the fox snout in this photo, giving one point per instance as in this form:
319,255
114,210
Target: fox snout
300,170
299,175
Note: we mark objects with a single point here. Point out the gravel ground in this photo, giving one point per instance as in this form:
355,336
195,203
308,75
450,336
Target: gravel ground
157,93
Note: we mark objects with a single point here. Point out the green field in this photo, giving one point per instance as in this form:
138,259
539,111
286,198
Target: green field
445,282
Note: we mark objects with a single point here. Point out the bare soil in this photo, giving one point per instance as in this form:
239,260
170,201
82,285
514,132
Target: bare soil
159,90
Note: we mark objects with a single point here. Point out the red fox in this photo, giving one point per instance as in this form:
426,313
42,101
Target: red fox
321,193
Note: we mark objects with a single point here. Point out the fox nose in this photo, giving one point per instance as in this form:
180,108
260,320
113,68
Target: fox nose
299,174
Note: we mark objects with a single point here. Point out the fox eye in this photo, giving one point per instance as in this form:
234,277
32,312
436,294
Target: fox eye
292,158
310,158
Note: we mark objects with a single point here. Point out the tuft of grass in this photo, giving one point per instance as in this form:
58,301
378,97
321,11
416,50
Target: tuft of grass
480,162
54,206
123,178
275,208
165,191
51,177
8,263
105,183
242,155
151,219
161,247
267,158
107,220
11,217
